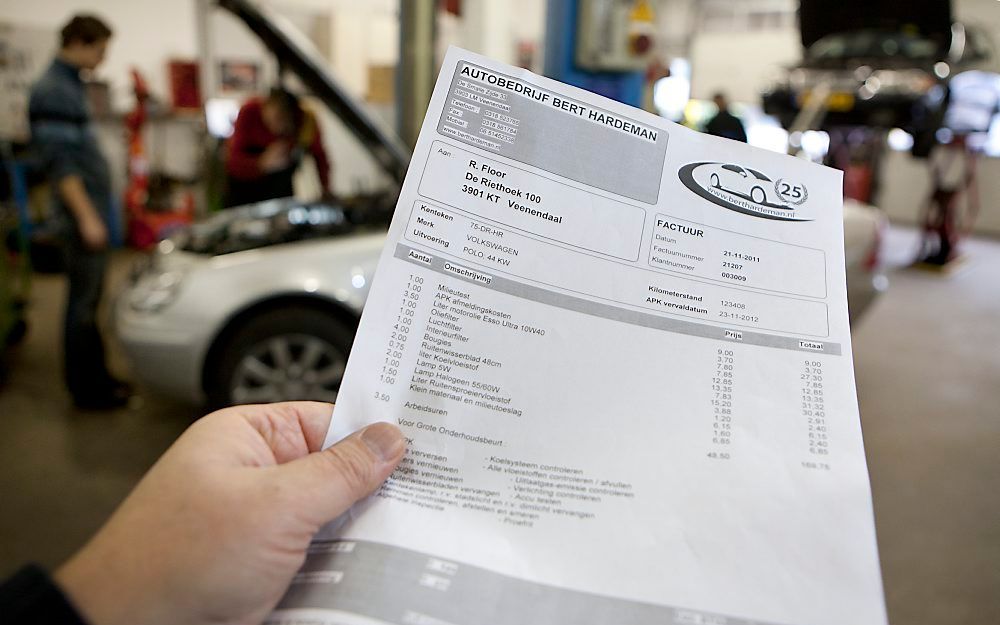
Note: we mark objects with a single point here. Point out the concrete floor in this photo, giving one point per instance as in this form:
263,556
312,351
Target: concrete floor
928,370
927,361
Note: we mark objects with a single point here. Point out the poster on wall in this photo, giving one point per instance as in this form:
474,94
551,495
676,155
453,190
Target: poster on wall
185,89
24,51
238,76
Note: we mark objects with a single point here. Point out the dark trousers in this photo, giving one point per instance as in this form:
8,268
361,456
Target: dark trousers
85,369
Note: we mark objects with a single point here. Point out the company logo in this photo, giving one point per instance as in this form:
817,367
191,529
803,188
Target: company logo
745,190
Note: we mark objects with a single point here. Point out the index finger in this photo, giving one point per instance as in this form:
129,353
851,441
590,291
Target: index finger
291,429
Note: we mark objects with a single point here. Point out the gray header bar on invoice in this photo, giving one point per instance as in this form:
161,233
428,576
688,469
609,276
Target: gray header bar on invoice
549,138
500,284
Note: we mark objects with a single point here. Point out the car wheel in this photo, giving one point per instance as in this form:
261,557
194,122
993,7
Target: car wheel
282,355
757,195
715,181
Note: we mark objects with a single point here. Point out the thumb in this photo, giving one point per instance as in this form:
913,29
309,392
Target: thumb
332,480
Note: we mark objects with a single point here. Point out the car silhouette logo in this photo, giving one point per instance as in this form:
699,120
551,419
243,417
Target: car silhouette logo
744,182
744,190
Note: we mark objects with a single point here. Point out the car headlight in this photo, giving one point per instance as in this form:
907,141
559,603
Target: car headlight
155,290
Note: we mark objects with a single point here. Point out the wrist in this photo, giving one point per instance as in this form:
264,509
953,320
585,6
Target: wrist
82,590
95,586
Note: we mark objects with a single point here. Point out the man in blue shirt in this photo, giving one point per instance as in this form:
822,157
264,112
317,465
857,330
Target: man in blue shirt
81,188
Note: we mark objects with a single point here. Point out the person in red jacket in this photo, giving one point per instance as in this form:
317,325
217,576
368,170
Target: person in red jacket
270,138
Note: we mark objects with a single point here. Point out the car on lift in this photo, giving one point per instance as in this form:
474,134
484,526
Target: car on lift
261,303
879,78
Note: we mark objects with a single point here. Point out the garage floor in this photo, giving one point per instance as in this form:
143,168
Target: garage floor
928,368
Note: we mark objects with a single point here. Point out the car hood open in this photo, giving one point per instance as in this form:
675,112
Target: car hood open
296,54
287,220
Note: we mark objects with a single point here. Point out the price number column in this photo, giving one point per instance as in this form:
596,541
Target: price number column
399,336
722,404
814,407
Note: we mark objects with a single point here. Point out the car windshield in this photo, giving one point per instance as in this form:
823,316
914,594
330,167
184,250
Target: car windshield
873,44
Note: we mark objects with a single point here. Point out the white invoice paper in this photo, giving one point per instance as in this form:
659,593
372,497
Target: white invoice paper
620,351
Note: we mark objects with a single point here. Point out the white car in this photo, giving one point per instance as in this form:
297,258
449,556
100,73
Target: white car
222,313
247,306
241,309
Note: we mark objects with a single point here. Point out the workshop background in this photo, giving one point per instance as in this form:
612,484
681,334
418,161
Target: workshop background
903,97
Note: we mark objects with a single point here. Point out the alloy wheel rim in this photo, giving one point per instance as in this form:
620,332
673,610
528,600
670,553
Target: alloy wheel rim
288,367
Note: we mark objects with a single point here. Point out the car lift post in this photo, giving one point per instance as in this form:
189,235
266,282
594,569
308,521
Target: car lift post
858,159
812,114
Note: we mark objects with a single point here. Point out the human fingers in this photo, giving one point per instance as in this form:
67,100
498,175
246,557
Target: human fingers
256,434
291,429
329,482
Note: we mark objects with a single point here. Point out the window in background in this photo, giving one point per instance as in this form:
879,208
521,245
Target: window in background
815,144
899,140
220,115
763,131
670,94
746,16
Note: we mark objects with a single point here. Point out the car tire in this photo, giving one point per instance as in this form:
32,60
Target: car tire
281,355
756,193
715,181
